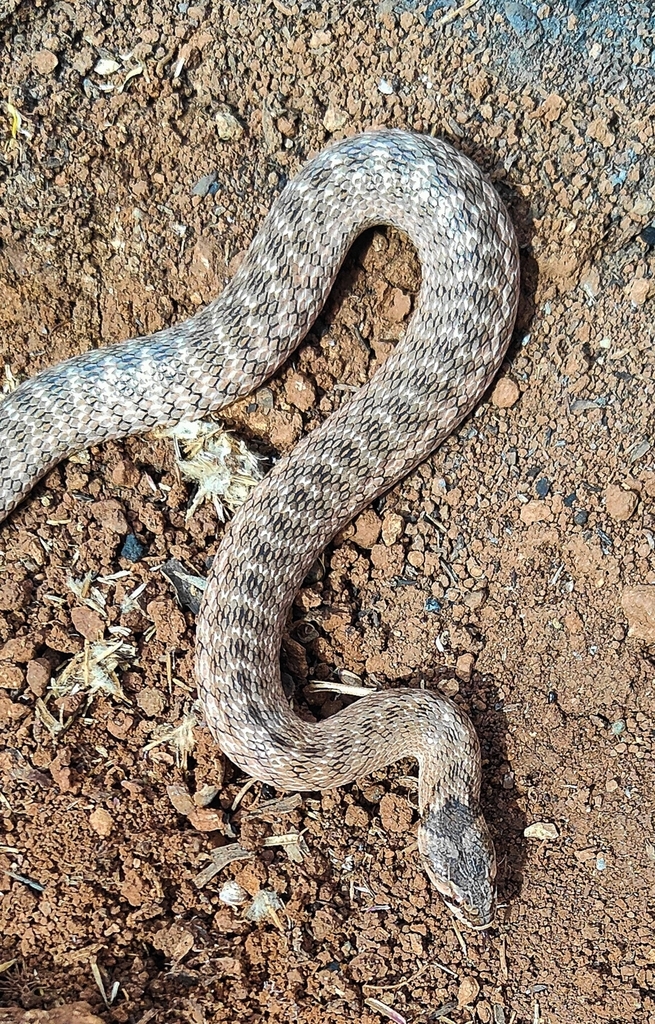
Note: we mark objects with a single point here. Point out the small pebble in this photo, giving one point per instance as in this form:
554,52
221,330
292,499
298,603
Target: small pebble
542,487
287,127
204,796
432,605
395,813
11,678
525,23
573,622
647,235
15,595
505,394
45,62
367,529
474,600
356,816
125,474
300,391
203,185
181,799
468,992
120,724
265,399
397,306
204,819
38,675
320,38
580,517
642,207
620,504
638,603
101,822
484,1011
334,119
88,623
393,527
109,513
227,125
151,701
132,549
534,512
464,667
640,290
373,793
541,830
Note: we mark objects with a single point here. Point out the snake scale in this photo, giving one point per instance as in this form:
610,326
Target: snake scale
451,350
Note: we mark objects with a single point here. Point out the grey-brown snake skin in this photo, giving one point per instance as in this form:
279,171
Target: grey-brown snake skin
450,352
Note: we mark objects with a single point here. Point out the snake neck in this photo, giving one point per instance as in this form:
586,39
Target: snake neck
277,747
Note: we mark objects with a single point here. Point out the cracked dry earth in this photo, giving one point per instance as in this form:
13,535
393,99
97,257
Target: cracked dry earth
515,570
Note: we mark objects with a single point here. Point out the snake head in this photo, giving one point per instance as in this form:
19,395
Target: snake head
460,860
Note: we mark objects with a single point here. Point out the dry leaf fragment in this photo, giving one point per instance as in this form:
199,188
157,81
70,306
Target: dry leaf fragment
179,737
220,858
204,796
293,844
93,670
106,67
233,894
386,1011
77,956
280,805
181,799
265,906
222,465
204,819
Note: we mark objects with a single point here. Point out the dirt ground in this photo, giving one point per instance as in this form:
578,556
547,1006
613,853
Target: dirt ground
141,146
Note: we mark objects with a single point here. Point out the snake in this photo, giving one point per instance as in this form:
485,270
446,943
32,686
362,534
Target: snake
450,351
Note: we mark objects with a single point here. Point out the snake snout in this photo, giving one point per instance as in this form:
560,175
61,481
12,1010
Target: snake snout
474,906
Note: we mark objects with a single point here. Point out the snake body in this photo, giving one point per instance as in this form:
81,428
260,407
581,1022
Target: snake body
450,352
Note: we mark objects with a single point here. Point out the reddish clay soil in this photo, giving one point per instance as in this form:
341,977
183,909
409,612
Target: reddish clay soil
141,147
